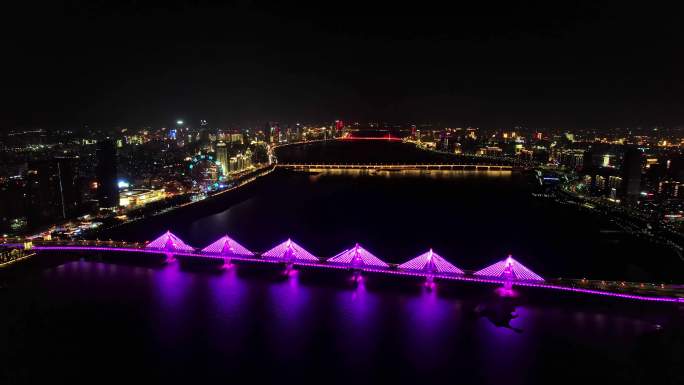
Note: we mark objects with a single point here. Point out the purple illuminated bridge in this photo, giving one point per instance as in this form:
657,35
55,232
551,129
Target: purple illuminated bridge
429,265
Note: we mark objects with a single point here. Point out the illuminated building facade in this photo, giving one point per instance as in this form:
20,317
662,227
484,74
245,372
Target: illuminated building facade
222,156
140,197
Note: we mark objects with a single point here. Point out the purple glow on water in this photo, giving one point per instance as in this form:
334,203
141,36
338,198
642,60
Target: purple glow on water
430,262
509,268
227,246
228,293
290,251
508,345
478,278
244,325
172,290
169,242
428,322
506,292
357,324
357,257
289,317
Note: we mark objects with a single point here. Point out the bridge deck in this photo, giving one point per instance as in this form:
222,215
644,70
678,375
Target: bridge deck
578,286
455,167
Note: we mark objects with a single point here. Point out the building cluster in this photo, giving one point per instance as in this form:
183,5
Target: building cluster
642,168
53,178
74,180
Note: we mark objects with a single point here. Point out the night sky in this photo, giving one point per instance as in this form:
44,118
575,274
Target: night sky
133,63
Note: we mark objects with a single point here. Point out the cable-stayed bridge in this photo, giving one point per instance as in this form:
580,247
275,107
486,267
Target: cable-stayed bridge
507,273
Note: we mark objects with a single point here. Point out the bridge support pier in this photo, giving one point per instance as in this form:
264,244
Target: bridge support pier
508,285
357,277
289,269
430,282
169,258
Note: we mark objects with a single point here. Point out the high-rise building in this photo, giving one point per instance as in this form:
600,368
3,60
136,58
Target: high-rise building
588,160
69,192
276,133
267,133
204,137
41,193
675,168
631,174
232,166
222,156
52,190
105,172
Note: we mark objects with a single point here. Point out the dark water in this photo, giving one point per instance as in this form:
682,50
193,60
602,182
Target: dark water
99,322
472,219
91,321
367,152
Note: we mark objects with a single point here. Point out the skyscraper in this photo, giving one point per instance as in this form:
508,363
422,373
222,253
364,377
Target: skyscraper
107,188
588,160
69,193
631,174
267,132
204,133
52,190
675,167
222,156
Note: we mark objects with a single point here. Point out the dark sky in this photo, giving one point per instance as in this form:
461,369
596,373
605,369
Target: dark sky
542,64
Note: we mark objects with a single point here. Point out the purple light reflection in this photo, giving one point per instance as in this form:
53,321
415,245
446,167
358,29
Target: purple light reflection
504,341
228,297
429,325
357,324
506,292
289,320
479,278
172,290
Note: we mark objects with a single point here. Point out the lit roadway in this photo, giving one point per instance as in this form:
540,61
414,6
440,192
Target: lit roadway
395,167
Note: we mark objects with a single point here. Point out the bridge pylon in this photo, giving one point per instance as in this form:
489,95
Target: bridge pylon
509,271
227,247
169,243
290,253
430,263
357,259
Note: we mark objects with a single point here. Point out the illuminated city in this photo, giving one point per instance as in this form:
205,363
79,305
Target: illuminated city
205,192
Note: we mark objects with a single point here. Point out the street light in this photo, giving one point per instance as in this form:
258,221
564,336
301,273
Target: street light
179,122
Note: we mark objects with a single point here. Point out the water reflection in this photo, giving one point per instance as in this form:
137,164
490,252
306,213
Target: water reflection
356,326
430,326
288,324
316,174
237,320
228,294
500,313
172,293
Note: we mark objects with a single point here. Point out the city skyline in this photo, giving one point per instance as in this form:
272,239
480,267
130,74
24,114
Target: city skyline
198,191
